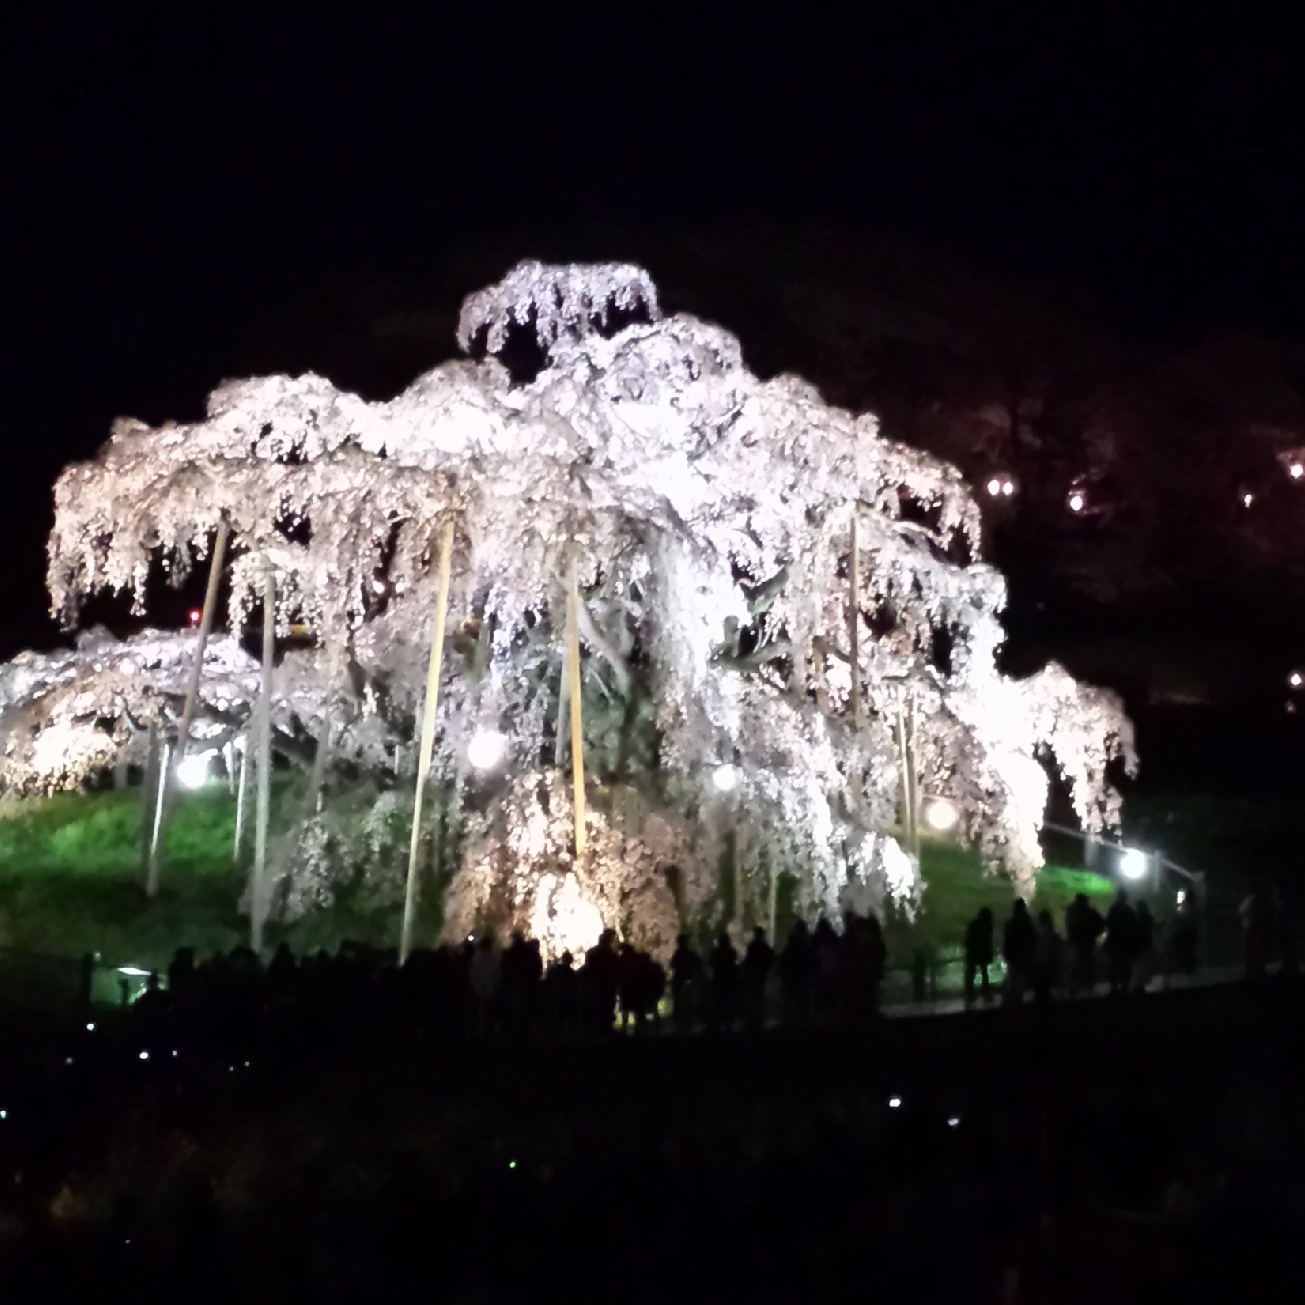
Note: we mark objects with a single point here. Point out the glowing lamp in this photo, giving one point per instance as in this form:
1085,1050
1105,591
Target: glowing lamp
1008,487
1296,470
487,749
1133,863
192,771
941,815
1247,499
894,1103
994,487
1295,679
725,778
195,615
1077,501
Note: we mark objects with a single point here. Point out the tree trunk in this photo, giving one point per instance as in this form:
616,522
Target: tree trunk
427,740
258,898
192,697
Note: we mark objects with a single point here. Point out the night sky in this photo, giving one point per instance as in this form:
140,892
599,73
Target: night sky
174,187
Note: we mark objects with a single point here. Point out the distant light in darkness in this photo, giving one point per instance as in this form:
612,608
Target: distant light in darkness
1133,863
1296,470
941,815
1077,501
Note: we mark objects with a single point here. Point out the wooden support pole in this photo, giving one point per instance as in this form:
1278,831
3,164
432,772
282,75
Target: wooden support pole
577,721
149,796
258,897
427,739
854,623
192,697
160,796
242,790
563,733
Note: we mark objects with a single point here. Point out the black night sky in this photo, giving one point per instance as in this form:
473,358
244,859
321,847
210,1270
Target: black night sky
196,197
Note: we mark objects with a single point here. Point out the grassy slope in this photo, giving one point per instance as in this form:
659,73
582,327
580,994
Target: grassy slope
70,875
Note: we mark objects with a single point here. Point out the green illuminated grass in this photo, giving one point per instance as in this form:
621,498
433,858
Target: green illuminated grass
70,883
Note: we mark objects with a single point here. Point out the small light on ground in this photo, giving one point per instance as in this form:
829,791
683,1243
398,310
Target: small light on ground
954,1121
174,1053
1077,501
144,1055
1182,896
1296,470
1247,499
941,815
1295,679
487,749
725,778
894,1103
994,487
195,616
90,1028
192,771
1133,863
512,1164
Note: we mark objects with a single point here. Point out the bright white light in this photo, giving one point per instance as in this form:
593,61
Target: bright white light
144,1055
1295,679
378,585
894,1103
1077,502
90,1028
1247,500
1008,487
1296,470
1133,863
133,971
954,1122
192,772
994,487
487,749
941,815
726,778
1182,896
4,1114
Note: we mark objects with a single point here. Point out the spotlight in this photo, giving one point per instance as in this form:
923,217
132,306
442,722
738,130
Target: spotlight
192,771
954,1121
894,1103
90,1028
1008,487
1182,896
994,487
1133,863
487,749
144,1055
1295,679
1077,501
941,815
194,615
726,778
1247,499
1296,470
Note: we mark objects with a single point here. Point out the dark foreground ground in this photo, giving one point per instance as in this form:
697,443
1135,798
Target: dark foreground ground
1147,1148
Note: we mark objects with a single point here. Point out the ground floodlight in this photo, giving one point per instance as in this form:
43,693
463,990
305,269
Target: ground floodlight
726,778
487,749
1133,863
941,815
994,487
894,1103
192,770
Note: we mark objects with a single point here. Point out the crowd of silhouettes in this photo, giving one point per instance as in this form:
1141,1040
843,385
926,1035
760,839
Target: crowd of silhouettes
1120,946
480,990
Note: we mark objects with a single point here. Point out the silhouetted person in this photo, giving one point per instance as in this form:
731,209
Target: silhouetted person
686,984
1121,943
629,985
150,1012
825,950
521,971
1144,947
723,966
795,973
1019,939
1083,926
757,962
978,955
1047,948
874,956
486,979
1185,936
561,986
1256,932
600,982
